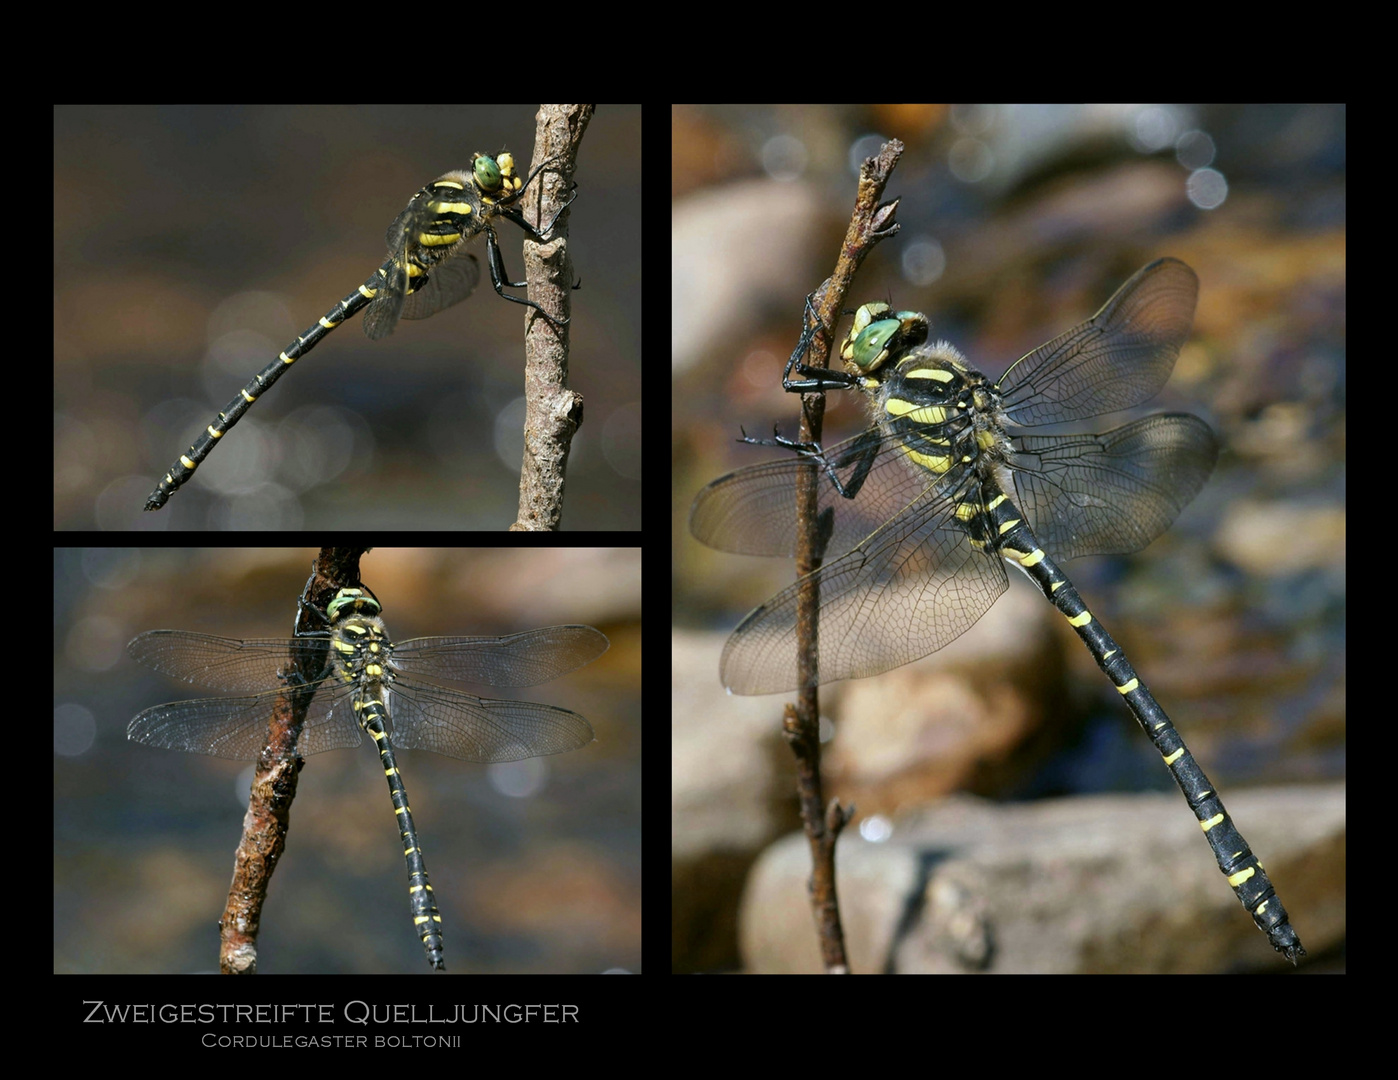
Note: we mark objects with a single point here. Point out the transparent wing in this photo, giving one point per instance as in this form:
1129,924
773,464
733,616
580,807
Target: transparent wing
469,728
752,511
1118,358
381,317
901,577
224,663
448,283
424,717
237,727
535,656
1113,493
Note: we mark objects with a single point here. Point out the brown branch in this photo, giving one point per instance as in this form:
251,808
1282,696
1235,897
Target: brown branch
870,222
553,413
274,784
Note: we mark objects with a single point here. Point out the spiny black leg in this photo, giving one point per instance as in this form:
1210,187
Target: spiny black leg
500,277
813,380
517,216
778,439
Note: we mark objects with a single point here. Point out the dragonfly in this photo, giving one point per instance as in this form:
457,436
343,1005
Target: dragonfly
428,269
363,683
918,516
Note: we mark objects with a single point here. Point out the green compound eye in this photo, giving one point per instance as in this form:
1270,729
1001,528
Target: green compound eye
354,599
870,348
876,334
487,172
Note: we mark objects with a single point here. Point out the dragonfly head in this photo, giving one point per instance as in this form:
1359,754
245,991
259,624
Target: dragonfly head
355,600
496,175
879,333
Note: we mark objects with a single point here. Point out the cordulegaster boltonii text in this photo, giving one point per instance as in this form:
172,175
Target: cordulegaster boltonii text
427,270
370,684
915,518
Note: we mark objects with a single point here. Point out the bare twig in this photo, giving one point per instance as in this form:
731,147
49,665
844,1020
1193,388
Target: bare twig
552,412
870,223
274,785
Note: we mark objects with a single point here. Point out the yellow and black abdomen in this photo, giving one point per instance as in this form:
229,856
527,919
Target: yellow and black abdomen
362,656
